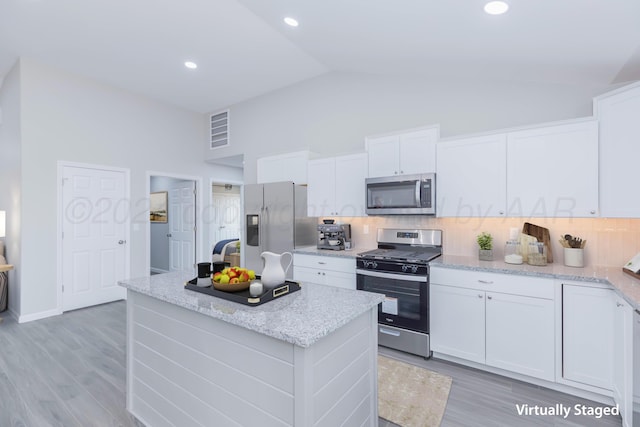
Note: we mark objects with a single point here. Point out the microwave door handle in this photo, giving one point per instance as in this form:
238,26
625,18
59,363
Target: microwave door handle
418,188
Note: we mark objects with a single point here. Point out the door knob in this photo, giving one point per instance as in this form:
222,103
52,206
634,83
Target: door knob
122,242
169,235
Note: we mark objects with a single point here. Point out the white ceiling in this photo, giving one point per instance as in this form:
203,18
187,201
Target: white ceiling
243,48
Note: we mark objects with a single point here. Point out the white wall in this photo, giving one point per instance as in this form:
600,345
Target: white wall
70,118
333,113
10,172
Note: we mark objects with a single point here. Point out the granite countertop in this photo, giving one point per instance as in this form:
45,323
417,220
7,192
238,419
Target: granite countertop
301,318
628,287
313,250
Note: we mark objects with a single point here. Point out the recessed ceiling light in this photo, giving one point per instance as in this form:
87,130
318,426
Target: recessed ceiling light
496,7
290,21
191,65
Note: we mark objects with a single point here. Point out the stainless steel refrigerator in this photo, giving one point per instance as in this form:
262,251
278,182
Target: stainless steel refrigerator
276,221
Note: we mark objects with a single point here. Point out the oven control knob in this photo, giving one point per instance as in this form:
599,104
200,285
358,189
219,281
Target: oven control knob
409,268
369,264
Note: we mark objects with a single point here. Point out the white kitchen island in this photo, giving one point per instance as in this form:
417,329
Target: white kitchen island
305,359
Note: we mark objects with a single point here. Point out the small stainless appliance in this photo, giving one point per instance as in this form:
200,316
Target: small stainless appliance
335,237
401,195
399,269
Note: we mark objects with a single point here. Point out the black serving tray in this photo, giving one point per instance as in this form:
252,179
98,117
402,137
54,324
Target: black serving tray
244,297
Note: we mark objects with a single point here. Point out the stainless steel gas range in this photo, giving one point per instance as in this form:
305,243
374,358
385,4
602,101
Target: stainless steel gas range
399,269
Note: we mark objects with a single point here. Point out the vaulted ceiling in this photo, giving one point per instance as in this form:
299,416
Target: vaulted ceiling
243,48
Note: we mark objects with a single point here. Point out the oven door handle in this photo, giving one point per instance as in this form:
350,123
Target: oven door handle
394,276
388,332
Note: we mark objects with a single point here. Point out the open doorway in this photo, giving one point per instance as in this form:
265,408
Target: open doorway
172,234
226,221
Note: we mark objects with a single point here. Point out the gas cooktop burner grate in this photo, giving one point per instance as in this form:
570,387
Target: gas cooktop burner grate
401,255
414,246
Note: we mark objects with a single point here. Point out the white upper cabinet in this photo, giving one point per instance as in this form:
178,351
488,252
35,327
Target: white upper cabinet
336,186
350,195
283,167
404,153
471,176
619,116
321,187
552,171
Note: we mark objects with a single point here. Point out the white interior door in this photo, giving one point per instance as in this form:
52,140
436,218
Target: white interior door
182,230
95,220
227,217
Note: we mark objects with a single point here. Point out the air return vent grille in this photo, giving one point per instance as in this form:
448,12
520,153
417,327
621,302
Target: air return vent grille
219,130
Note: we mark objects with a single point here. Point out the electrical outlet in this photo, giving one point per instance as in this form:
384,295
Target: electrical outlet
365,229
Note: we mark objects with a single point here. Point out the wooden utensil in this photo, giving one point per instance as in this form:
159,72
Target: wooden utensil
540,233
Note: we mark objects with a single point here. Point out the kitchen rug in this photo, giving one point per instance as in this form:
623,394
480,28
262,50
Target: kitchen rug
409,395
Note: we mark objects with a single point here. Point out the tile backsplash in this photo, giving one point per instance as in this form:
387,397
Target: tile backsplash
610,241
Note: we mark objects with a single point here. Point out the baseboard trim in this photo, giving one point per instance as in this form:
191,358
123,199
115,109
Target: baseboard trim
606,397
38,316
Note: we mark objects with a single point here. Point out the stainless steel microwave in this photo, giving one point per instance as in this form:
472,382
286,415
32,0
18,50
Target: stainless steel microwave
401,195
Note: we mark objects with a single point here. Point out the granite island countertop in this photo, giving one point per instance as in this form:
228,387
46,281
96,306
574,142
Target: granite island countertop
301,318
628,287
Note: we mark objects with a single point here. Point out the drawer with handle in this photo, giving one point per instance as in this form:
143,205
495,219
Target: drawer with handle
537,287
345,265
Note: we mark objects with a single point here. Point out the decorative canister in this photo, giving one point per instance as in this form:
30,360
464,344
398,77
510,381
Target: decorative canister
574,257
537,254
512,252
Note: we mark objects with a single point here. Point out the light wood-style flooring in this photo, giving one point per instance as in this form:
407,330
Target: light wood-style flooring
69,371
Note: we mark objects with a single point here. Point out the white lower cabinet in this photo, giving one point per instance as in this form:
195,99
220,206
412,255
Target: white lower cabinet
623,359
325,270
636,365
457,322
520,334
587,334
504,321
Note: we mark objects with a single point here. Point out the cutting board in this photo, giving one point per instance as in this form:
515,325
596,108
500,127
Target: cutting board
540,233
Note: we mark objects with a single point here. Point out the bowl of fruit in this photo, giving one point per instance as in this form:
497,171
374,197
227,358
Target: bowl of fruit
233,279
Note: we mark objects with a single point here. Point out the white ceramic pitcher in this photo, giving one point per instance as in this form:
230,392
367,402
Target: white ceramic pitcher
273,274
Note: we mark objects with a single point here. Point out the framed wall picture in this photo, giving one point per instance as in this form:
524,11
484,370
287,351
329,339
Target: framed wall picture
158,207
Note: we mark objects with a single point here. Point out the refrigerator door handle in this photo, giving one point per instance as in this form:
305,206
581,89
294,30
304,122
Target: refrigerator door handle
264,217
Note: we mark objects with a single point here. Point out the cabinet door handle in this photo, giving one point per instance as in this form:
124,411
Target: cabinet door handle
618,304
479,295
321,262
489,297
500,212
486,282
318,273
